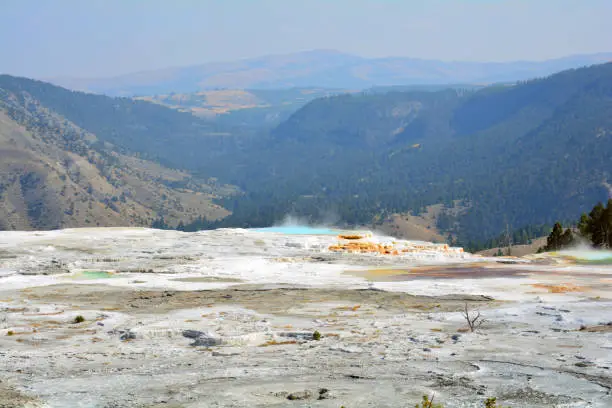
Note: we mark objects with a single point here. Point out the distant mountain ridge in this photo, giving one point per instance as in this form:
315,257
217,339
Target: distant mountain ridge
323,68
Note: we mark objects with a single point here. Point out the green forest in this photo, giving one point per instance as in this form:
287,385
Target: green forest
525,154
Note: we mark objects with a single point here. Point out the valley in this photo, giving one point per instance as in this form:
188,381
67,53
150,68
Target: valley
522,154
270,106
347,204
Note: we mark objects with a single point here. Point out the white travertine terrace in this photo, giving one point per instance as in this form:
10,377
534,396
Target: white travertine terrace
225,318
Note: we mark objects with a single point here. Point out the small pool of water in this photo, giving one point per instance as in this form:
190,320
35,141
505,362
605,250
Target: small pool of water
590,257
299,230
602,261
87,275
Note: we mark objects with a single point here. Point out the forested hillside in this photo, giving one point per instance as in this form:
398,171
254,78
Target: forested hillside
132,126
525,154
508,155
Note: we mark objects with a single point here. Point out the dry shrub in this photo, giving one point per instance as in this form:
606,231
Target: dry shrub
277,343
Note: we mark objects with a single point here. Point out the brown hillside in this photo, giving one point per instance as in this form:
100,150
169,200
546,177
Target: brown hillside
54,175
417,227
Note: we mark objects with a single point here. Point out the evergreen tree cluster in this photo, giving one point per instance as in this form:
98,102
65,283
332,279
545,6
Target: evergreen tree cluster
160,223
558,239
597,226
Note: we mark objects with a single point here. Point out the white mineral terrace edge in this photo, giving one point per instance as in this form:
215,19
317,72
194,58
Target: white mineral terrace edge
226,318
249,255
148,258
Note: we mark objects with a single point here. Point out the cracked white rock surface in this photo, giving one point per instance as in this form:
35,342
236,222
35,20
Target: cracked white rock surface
261,295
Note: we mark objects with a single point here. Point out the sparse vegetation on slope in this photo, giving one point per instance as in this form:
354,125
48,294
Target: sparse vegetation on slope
242,107
55,174
137,127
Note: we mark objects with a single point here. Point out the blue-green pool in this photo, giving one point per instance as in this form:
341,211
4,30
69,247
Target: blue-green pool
590,256
90,275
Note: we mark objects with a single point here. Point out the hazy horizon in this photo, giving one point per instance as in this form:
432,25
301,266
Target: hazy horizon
169,67
70,38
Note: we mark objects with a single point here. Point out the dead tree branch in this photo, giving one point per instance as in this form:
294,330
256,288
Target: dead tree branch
474,321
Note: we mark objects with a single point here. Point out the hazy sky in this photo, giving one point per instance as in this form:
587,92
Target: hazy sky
90,38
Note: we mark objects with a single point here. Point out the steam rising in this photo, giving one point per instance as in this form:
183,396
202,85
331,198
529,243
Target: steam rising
327,220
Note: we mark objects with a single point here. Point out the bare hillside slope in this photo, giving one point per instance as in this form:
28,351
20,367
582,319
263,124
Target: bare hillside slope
54,174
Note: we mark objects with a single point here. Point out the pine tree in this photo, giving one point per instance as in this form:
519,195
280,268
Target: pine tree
160,223
607,221
567,239
597,226
584,225
553,243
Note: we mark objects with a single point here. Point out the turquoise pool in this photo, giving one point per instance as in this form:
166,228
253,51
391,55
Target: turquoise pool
90,275
591,256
